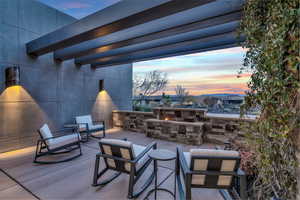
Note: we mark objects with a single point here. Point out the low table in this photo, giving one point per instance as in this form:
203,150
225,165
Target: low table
161,155
75,128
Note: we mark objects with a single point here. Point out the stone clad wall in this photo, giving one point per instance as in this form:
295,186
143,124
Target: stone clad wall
185,132
50,92
132,121
211,128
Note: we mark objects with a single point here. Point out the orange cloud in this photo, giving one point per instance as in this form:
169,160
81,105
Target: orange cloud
228,83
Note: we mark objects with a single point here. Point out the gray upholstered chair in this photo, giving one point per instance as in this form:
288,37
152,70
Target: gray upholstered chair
88,126
210,168
122,156
48,145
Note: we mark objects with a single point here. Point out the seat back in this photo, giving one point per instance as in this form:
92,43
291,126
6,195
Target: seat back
45,132
84,119
213,162
119,149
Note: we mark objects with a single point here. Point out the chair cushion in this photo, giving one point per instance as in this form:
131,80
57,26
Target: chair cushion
214,152
84,119
96,127
123,143
63,140
45,132
138,149
202,164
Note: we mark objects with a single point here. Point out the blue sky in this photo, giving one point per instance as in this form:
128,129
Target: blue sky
200,73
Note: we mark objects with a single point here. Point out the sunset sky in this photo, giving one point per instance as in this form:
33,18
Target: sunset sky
201,73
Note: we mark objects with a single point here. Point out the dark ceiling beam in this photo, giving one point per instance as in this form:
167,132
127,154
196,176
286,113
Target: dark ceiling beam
193,35
214,25
168,55
181,48
197,13
120,16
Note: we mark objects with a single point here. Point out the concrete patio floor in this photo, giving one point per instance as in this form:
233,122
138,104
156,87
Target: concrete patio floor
72,180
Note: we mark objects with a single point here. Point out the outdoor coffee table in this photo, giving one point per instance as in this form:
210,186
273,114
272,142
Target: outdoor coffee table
161,155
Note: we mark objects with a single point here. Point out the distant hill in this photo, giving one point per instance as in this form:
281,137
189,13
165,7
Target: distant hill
221,95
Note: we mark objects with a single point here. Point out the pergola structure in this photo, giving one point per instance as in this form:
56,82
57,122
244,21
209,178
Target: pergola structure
135,30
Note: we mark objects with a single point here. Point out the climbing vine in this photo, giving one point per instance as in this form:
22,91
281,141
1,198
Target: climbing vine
272,33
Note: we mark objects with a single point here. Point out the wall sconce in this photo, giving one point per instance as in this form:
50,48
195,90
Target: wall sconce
12,76
101,85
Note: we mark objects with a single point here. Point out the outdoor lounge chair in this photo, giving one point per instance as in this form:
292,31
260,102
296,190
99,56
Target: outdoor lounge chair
87,126
49,145
123,156
209,168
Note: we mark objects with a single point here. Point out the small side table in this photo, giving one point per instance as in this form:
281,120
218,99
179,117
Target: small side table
75,128
161,155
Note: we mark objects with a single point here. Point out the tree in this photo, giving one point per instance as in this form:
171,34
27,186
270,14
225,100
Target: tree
181,93
149,83
271,29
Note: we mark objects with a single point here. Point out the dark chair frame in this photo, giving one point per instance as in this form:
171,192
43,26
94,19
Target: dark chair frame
133,174
89,132
42,149
182,166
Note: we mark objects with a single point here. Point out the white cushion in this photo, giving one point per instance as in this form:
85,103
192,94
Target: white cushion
187,156
213,153
45,132
64,140
138,149
84,119
123,143
96,126
201,164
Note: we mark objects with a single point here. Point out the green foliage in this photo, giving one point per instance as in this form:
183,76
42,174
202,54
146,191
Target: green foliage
272,33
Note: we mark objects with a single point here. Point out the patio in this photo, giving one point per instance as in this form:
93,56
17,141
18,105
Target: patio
72,180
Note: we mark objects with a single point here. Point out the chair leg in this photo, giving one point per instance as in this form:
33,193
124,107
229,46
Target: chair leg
49,153
243,187
132,181
188,189
98,175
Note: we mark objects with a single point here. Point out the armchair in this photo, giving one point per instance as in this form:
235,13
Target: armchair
48,144
209,168
87,126
122,156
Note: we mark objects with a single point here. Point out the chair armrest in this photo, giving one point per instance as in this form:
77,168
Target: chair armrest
58,136
241,172
85,124
148,148
113,157
182,161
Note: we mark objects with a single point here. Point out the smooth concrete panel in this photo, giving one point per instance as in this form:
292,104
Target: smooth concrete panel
24,37
68,110
51,92
40,83
9,12
37,17
9,51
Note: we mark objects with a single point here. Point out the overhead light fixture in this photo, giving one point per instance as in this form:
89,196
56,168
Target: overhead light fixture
12,76
101,85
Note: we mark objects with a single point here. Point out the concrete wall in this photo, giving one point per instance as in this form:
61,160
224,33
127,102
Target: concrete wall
51,92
